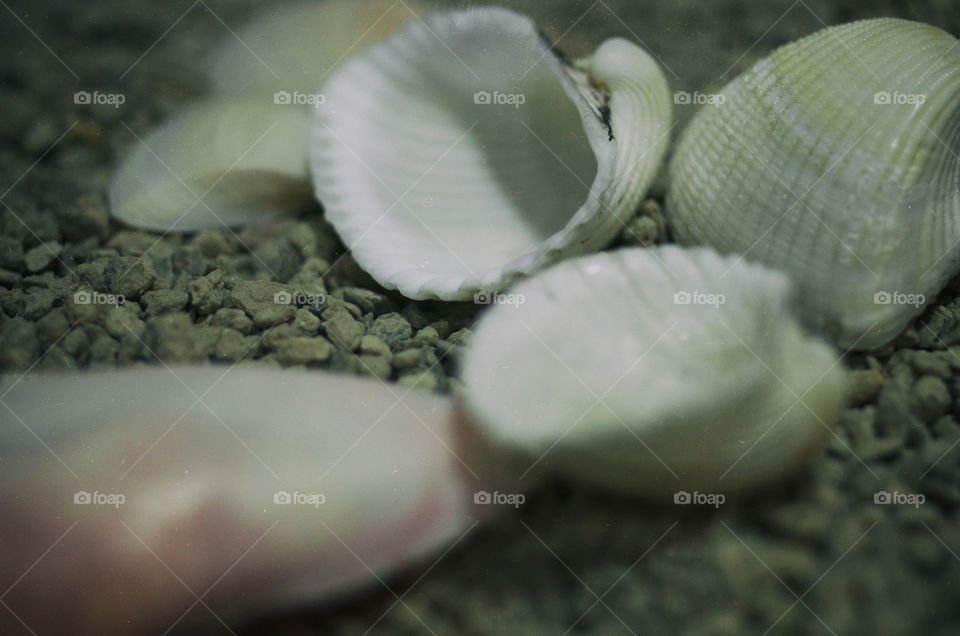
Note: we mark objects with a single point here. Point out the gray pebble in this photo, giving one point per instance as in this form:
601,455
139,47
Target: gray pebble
863,385
375,346
368,301
37,303
392,328
170,338
304,351
305,321
262,301
163,302
206,293
53,326
42,256
214,243
930,398
341,327
124,320
374,365
929,363
232,346
407,359
234,318
129,277
19,346
8,278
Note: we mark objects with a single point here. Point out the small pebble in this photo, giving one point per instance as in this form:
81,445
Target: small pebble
392,328
341,327
930,398
42,256
295,351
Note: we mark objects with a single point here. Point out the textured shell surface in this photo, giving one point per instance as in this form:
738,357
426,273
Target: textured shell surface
274,501
291,50
654,370
837,160
218,162
464,152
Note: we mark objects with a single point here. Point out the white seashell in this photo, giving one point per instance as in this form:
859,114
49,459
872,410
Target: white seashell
464,153
649,372
836,159
216,163
202,462
292,49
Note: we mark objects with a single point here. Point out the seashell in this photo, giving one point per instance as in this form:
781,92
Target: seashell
650,372
292,49
223,162
211,475
466,152
837,160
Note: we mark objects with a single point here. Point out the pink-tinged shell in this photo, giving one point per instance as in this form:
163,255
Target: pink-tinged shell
198,456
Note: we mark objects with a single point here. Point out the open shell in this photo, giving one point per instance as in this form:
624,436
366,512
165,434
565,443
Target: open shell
653,371
465,152
836,159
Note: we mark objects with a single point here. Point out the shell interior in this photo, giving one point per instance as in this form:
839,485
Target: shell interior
465,152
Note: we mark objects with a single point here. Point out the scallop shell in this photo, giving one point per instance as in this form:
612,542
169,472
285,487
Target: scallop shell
466,152
649,371
293,48
836,159
279,502
224,162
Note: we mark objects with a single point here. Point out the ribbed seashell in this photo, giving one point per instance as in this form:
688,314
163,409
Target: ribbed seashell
220,162
465,152
292,48
157,485
837,160
653,371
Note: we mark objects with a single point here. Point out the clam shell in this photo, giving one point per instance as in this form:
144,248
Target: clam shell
650,371
465,152
836,159
221,162
279,502
293,48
